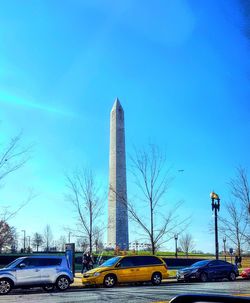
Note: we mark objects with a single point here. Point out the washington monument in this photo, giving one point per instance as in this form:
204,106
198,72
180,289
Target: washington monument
117,208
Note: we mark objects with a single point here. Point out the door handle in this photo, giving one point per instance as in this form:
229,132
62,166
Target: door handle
37,270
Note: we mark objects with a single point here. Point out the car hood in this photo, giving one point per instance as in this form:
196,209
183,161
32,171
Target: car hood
98,269
187,269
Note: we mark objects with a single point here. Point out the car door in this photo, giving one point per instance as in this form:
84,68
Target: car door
27,272
126,270
49,268
224,269
215,269
145,267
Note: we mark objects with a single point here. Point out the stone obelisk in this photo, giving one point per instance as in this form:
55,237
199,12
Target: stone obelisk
117,208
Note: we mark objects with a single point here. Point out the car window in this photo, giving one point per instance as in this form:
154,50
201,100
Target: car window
146,260
200,263
49,262
215,263
222,263
127,262
29,262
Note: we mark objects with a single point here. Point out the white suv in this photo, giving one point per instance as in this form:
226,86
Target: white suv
45,271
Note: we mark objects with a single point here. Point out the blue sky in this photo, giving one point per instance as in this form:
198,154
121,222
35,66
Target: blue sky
180,69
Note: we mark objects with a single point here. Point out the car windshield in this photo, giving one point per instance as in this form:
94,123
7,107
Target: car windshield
110,262
200,263
13,263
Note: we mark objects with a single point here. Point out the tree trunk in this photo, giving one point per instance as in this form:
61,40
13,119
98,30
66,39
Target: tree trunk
90,227
152,226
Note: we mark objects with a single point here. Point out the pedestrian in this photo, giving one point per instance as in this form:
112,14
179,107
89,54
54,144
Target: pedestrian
236,260
91,261
84,263
239,261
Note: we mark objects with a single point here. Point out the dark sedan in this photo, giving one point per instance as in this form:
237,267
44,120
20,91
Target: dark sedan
208,270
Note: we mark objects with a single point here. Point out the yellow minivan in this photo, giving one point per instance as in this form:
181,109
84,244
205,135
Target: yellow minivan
127,269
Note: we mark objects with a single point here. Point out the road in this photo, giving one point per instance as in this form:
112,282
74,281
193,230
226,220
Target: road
128,294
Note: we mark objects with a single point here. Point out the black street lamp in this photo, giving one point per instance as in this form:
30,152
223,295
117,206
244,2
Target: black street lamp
224,242
176,239
215,207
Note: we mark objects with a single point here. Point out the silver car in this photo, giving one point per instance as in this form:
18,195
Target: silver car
45,271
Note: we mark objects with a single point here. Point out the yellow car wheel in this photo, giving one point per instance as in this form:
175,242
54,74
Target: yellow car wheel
156,278
109,280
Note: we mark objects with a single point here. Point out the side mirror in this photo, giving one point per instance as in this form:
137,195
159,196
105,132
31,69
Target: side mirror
22,265
118,264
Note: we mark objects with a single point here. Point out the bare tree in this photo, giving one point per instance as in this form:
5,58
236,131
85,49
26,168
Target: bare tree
84,195
97,237
234,225
239,187
13,156
187,243
7,235
240,192
47,237
37,241
61,243
81,244
152,181
7,213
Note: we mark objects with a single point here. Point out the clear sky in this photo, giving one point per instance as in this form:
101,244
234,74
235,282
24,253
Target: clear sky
180,69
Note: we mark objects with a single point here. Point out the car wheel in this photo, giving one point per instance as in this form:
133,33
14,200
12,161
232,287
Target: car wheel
5,286
203,277
109,281
156,278
49,287
62,283
232,276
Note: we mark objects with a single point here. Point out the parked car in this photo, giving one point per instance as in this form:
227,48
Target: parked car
208,270
245,273
45,271
127,269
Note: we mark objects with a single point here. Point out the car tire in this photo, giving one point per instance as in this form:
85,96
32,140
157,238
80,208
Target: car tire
5,286
156,278
203,277
49,287
232,276
62,283
109,281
